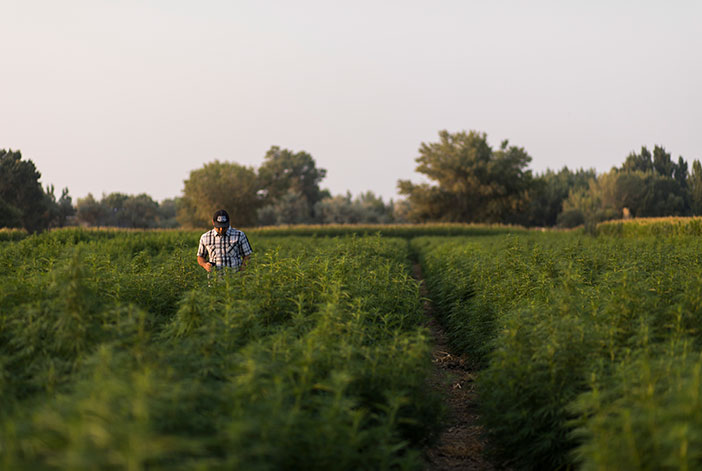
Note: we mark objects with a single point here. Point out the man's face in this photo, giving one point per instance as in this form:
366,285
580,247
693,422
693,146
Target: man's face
220,230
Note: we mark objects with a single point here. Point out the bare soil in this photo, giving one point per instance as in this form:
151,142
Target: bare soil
460,446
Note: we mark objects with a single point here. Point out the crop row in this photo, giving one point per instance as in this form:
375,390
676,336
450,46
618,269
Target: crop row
406,231
117,352
589,347
660,227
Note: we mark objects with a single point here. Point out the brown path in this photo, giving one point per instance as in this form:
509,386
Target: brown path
460,446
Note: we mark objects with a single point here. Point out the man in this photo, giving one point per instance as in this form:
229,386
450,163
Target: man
223,246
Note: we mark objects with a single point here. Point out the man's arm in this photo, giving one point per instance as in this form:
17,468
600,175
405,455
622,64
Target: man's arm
204,263
201,252
246,250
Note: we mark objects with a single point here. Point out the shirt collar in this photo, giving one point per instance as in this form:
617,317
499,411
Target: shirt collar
225,232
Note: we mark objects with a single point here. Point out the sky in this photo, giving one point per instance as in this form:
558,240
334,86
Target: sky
131,96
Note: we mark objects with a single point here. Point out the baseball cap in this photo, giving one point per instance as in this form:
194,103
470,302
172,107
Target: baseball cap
221,218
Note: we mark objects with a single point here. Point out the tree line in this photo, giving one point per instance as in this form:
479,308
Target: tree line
470,181
285,189
24,203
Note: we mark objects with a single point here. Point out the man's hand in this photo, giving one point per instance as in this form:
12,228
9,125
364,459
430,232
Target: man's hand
204,264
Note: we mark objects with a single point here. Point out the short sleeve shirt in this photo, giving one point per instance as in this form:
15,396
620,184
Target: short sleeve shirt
227,250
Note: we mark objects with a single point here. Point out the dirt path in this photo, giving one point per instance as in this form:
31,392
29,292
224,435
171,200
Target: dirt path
460,446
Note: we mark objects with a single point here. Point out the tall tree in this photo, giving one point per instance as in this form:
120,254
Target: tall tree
91,212
60,210
21,194
548,193
659,162
291,208
140,211
366,208
638,162
10,216
114,209
653,184
167,211
218,185
662,163
121,210
680,172
338,209
285,176
642,194
694,183
473,182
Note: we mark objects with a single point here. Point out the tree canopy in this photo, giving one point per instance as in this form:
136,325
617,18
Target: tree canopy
648,184
473,181
284,190
23,201
128,211
548,192
366,208
220,185
695,188
21,193
289,186
469,181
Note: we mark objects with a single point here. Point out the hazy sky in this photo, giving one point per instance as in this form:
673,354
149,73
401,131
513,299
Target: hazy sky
130,96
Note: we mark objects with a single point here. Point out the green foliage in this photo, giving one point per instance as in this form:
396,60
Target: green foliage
648,416
407,231
647,185
695,188
117,354
659,227
90,211
366,208
474,183
125,211
638,162
10,216
548,192
167,213
12,234
590,346
584,206
660,162
647,194
634,193
23,203
60,210
219,185
291,208
290,185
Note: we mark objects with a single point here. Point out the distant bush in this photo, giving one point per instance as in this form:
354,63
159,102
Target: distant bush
8,235
671,226
387,230
126,211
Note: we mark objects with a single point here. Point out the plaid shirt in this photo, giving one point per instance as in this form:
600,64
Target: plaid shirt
226,250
